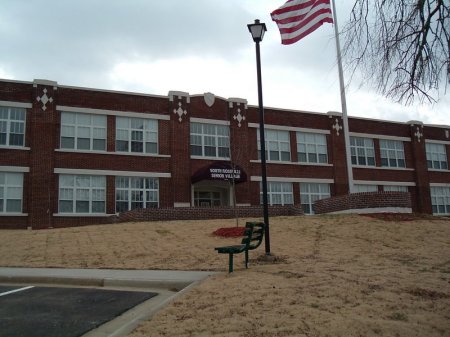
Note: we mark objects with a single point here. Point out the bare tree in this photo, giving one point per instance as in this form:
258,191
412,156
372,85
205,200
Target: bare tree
402,47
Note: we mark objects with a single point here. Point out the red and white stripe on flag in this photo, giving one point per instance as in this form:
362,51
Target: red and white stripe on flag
298,18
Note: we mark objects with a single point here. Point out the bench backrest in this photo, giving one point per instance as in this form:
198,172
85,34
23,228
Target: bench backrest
254,233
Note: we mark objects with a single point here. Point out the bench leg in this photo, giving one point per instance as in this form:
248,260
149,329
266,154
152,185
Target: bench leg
246,259
230,266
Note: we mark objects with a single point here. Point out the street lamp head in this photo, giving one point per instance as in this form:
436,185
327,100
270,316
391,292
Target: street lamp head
257,30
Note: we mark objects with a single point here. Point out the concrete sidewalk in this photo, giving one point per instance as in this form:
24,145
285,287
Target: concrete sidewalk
168,284
164,279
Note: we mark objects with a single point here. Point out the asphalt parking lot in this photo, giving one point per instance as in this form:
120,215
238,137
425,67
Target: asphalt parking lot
61,311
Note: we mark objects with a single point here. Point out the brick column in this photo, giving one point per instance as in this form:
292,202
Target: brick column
179,109
43,181
336,150
238,145
421,170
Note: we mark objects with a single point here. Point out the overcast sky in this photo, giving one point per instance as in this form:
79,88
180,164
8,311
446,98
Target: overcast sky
195,46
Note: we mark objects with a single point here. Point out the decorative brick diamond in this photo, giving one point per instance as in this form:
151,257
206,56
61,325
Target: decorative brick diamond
180,112
337,127
44,99
239,117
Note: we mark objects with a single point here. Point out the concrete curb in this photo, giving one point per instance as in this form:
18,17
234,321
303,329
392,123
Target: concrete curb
168,284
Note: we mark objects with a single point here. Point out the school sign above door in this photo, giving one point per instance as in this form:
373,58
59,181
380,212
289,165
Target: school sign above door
220,171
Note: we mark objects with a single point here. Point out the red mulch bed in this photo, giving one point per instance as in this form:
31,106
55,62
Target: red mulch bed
393,216
230,232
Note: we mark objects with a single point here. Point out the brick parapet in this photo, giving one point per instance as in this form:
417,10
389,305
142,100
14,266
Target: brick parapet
364,200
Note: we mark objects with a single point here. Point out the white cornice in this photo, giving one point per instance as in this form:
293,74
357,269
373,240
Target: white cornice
370,135
293,180
19,169
390,183
209,121
289,128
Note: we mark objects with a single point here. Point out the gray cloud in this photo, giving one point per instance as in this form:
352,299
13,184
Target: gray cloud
78,41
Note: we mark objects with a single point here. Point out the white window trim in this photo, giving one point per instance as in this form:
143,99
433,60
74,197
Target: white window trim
144,131
15,169
112,173
356,147
91,127
115,153
13,214
316,145
6,147
445,152
396,152
391,183
146,115
84,215
209,121
216,138
267,141
383,168
293,180
290,163
309,195
289,128
12,104
375,136
8,132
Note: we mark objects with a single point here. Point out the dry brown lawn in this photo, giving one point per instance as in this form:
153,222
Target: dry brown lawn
332,275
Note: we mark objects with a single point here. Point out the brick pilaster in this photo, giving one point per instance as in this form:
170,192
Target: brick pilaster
179,109
337,153
43,181
238,144
422,178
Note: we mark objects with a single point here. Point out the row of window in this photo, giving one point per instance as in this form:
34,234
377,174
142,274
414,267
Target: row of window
80,131
86,194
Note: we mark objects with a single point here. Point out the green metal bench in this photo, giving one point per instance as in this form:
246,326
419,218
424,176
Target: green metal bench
254,232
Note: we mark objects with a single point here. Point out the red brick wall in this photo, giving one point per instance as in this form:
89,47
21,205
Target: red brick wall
366,200
198,213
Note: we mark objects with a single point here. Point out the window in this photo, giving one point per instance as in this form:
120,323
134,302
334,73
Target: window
359,188
310,193
278,193
210,140
277,144
11,190
81,131
440,200
394,188
136,192
82,194
436,156
362,151
12,126
312,148
137,135
207,198
392,153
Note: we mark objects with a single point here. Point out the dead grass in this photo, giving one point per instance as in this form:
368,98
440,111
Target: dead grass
330,276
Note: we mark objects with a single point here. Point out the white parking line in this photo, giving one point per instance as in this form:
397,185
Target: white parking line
15,291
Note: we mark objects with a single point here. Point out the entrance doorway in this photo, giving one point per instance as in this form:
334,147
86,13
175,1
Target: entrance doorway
212,194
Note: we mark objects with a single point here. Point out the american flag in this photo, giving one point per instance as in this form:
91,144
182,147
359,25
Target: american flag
298,18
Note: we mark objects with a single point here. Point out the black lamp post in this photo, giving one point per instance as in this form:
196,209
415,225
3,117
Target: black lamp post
257,30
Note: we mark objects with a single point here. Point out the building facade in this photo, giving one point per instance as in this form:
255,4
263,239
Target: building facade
74,155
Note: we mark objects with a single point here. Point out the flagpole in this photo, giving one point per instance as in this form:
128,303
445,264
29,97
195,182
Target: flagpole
343,103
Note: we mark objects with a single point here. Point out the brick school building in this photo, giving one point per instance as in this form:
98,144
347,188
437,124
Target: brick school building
74,156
